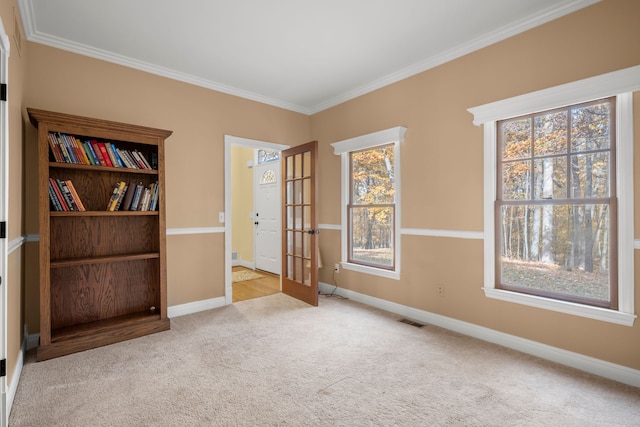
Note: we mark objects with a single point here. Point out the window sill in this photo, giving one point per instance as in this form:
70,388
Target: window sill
371,270
575,309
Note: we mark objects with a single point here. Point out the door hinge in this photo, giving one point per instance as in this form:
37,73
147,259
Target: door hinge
3,91
3,368
3,230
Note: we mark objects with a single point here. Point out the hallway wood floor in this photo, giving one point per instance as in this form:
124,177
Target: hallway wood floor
256,288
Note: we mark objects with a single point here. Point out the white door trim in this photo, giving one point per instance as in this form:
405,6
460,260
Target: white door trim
230,141
4,213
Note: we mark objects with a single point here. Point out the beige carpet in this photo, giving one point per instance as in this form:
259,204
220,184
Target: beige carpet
242,275
276,361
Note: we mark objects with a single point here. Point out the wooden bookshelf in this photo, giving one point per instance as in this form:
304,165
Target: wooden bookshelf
102,273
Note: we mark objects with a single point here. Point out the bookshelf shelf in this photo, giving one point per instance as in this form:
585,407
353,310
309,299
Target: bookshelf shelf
102,272
104,259
103,213
102,168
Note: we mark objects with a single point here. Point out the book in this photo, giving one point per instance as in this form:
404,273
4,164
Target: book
116,155
53,144
132,162
111,154
65,144
144,200
63,149
75,195
105,154
128,197
81,150
144,160
138,160
66,193
121,197
136,197
92,153
59,195
96,150
54,198
115,195
154,196
87,149
74,148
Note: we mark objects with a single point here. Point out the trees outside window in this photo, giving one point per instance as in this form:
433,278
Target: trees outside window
371,202
372,207
559,197
556,195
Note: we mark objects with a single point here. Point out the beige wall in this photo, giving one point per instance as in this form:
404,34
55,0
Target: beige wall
442,172
242,203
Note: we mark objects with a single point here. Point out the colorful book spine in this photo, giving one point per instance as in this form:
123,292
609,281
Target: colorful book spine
74,194
54,198
111,154
63,149
69,147
116,156
115,195
53,144
66,193
105,154
59,196
136,197
98,152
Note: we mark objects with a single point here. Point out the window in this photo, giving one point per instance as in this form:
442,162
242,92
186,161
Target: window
555,197
558,230
371,200
266,156
371,208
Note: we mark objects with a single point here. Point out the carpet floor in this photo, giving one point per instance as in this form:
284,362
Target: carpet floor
277,361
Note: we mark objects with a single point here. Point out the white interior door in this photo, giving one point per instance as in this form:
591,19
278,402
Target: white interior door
267,222
4,200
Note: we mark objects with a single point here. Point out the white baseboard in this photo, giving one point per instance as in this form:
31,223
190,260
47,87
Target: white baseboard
196,306
592,365
12,387
243,263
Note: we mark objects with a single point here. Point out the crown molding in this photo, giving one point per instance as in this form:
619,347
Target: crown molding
563,8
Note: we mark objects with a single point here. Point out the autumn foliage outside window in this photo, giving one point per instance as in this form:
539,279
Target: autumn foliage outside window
371,207
556,204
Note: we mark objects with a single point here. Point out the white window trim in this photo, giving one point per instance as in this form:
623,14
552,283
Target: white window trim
621,84
343,148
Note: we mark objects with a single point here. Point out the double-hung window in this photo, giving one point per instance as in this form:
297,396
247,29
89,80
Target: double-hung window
558,227
371,196
555,234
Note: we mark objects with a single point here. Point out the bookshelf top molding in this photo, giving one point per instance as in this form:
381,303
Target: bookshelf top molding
63,120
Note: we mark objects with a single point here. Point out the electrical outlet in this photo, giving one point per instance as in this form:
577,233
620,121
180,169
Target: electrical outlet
440,290
336,268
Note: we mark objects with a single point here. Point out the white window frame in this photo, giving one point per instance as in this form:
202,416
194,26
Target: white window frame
621,84
343,148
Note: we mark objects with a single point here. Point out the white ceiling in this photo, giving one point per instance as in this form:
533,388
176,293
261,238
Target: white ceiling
302,55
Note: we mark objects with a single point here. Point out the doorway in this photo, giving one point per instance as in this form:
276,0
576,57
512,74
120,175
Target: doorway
240,216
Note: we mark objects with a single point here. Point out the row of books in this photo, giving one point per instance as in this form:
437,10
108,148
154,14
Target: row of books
133,197
64,196
71,149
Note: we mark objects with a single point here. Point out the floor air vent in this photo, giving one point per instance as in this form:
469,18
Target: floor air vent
411,322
